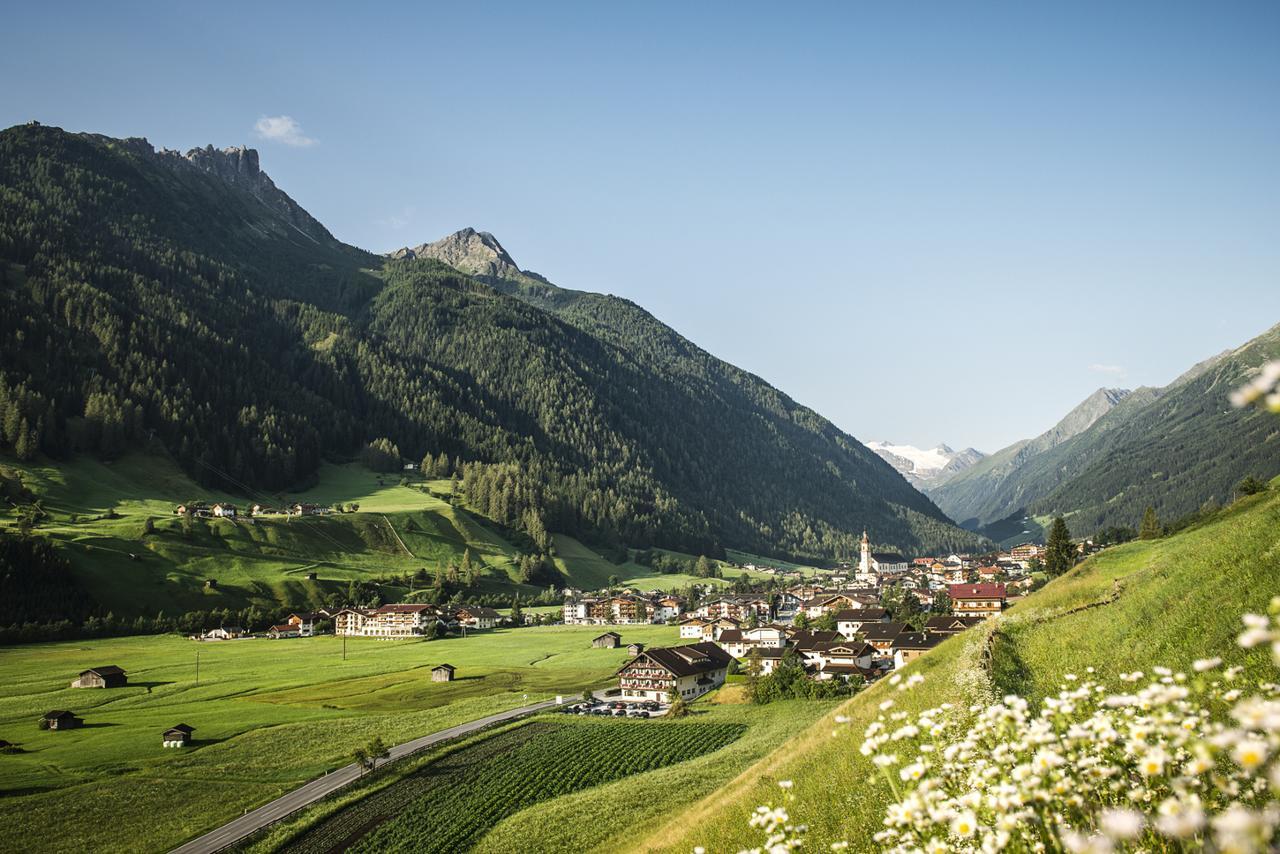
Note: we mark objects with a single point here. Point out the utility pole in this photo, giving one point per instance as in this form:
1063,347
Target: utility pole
344,646
197,665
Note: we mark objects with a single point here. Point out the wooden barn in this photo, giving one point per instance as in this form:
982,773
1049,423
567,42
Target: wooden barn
177,736
60,719
107,676
635,648
442,673
608,640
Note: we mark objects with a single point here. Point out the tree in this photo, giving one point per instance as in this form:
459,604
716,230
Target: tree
826,622
517,616
368,756
1150,529
1250,486
678,709
702,568
1060,552
941,605
801,620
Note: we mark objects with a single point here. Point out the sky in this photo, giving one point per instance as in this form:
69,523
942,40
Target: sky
931,222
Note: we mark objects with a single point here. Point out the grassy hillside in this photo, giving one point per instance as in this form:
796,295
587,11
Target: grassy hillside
1164,602
97,514
268,716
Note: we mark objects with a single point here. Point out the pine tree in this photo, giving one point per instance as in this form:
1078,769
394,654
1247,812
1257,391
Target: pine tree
1150,529
1059,550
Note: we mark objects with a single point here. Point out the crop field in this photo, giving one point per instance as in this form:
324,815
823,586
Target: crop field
1137,606
269,715
448,804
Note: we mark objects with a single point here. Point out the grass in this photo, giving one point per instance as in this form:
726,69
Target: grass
1163,602
97,514
269,715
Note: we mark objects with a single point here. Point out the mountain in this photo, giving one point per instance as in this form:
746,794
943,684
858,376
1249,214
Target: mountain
925,468
183,302
1174,448
997,486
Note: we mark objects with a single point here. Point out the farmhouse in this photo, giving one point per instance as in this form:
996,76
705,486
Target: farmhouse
882,635
841,660
691,628
177,736
476,617
665,673
224,511
442,673
107,676
851,620
977,600
635,648
608,640
60,719
224,633
909,646
284,630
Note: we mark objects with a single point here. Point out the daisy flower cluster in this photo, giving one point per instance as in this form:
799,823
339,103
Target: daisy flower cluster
1263,390
1166,761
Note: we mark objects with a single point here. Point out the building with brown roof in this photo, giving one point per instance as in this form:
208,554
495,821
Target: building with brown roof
665,673
977,600
106,676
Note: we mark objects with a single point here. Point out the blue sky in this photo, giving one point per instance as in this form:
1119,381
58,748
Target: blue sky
929,221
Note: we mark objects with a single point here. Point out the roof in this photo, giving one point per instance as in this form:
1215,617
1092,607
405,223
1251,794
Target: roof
690,660
864,615
811,640
444,667
58,713
405,609
938,624
888,557
105,670
478,611
917,640
977,591
607,634
731,636
882,631
183,728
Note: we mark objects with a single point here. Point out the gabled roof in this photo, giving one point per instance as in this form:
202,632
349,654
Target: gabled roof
444,667
182,728
810,639
864,615
888,557
731,636
58,714
608,634
977,591
882,631
938,624
405,609
690,660
917,640
105,670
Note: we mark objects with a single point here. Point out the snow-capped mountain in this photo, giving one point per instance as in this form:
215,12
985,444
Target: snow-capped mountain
926,467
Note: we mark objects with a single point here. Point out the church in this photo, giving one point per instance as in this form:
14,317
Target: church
872,565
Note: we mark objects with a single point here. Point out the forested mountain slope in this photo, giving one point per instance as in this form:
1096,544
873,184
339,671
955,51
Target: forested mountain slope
150,294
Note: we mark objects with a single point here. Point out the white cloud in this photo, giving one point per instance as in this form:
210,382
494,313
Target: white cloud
1113,370
397,221
283,129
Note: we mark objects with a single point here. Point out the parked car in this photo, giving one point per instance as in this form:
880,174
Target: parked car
638,713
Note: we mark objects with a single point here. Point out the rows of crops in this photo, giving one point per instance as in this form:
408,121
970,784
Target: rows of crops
448,804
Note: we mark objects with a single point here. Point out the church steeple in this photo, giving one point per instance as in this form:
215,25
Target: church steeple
866,575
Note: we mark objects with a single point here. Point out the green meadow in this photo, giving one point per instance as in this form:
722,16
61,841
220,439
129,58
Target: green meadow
1160,602
269,715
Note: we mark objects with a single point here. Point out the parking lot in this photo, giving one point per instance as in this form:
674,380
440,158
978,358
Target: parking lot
616,708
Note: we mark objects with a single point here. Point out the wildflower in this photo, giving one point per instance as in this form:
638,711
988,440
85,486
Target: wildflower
785,784
1121,824
1200,665
1250,753
964,825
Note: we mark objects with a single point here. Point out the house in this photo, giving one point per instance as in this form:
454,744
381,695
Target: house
731,642
768,658
224,511
307,510
692,628
177,736
305,624
608,640
635,648
738,608
851,620
262,510
284,630
442,673
841,660
909,646
977,600
224,633
387,621
665,673
882,635
476,617
770,636
950,625
787,604
60,719
668,608
107,676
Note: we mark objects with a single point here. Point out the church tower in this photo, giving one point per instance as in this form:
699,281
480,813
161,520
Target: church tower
866,575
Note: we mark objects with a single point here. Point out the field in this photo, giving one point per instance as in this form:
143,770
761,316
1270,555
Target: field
97,513
269,715
1162,602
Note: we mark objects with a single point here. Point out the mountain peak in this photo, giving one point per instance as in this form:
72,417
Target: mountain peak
476,253
926,467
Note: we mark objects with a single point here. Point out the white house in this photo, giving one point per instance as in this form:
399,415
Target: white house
664,673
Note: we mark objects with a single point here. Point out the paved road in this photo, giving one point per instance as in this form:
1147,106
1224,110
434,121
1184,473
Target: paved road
233,831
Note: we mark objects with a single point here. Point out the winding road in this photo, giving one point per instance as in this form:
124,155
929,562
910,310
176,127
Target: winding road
233,831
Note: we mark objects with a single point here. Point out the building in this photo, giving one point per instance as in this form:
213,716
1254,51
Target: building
60,719
740,608
107,676
668,608
224,633
691,628
305,624
866,573
442,673
388,621
665,673
177,736
608,640
909,646
851,620
840,660
977,600
284,630
475,617
635,648
224,511
882,635
1024,553
950,625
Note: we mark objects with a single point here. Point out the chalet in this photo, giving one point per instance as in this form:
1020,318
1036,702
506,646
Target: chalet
305,624
388,621
989,573
668,608
803,641
955,574
771,636
107,676
977,600
832,602
307,510
713,629
665,673
909,646
224,633
442,673
882,635
177,736
921,562
691,628
950,625
195,508
476,617
60,719
224,511
608,640
851,620
738,608
768,658
731,641
262,510
284,630
788,604
841,660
